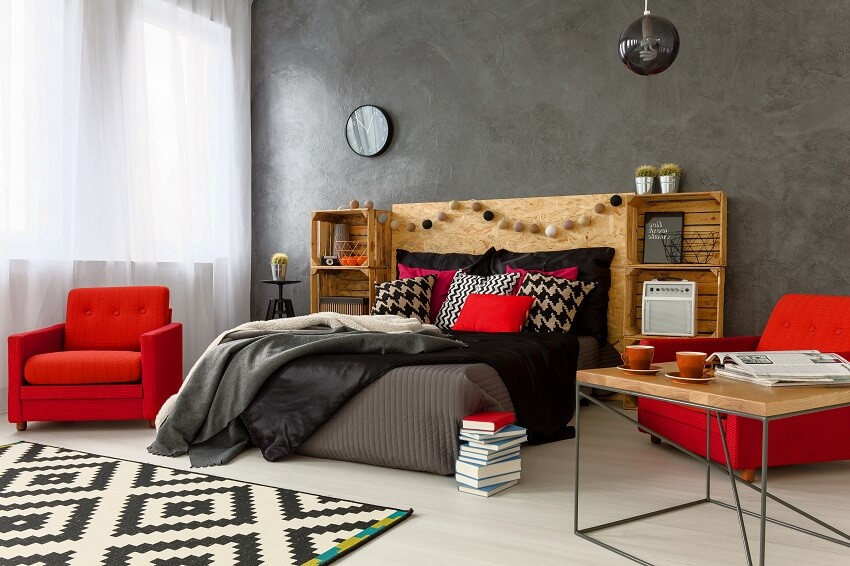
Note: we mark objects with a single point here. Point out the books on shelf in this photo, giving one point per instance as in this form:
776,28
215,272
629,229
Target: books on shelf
489,461
772,368
487,491
492,421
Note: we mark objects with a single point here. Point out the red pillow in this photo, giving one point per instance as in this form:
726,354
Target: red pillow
494,313
439,291
563,273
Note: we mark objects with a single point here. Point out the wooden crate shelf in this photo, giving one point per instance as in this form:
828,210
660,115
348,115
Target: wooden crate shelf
702,212
349,281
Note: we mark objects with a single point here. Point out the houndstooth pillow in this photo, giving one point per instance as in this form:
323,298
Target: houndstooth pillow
463,285
409,297
557,301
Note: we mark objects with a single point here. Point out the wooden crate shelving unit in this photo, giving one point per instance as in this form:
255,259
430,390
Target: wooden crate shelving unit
703,212
349,281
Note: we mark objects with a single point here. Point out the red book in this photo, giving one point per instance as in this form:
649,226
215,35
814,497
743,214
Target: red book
488,422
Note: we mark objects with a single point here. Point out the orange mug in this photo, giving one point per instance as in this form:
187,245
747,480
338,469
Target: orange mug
638,356
691,364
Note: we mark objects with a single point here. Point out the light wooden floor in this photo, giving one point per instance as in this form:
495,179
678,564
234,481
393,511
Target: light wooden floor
531,523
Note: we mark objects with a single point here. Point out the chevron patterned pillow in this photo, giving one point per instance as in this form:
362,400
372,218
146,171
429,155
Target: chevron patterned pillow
408,297
463,285
557,301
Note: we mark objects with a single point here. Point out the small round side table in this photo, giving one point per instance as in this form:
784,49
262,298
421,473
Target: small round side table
279,307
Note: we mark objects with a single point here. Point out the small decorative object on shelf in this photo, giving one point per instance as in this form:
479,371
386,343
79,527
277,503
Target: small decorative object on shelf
583,220
657,225
616,200
551,231
534,228
427,224
278,264
368,204
442,216
477,206
569,224
669,175
644,179
351,252
691,247
488,215
599,208
354,204
504,224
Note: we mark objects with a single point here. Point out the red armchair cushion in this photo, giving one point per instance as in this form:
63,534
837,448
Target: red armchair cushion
83,367
114,318
801,322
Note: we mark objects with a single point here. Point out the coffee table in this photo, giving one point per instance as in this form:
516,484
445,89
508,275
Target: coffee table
722,396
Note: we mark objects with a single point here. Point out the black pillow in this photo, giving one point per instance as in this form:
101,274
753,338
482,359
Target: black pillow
594,265
475,264
408,297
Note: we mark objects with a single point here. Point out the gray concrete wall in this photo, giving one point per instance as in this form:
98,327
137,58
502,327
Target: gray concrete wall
525,98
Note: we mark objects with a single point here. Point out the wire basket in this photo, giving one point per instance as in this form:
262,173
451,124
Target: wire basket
351,252
690,247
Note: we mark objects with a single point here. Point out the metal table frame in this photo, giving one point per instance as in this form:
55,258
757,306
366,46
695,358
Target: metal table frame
709,465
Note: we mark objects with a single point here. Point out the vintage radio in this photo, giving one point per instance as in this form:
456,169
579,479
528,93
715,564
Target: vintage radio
669,308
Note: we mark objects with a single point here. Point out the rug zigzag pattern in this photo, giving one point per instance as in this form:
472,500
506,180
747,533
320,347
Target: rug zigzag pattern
62,507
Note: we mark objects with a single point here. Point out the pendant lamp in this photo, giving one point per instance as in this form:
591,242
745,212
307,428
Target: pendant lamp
649,44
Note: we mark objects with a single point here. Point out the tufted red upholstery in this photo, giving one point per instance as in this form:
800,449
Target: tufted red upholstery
99,365
817,322
113,318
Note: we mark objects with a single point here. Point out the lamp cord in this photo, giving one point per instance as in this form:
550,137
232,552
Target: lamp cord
645,7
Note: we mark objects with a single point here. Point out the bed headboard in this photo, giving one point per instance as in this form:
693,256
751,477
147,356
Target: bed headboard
466,231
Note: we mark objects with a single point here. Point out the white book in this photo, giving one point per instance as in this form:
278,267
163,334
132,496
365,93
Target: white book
480,471
509,431
470,460
796,365
487,491
486,482
486,455
497,444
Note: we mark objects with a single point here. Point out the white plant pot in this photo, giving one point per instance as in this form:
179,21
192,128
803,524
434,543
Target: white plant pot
669,183
643,185
278,272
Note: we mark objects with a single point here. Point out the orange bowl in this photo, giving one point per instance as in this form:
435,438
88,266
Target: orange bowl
353,260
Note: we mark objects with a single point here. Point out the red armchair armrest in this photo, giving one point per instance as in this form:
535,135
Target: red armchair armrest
21,348
162,366
666,348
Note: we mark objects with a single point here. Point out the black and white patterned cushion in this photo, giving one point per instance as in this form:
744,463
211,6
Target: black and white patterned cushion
409,297
463,285
557,303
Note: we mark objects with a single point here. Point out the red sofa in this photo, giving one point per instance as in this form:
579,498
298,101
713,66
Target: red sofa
818,322
118,356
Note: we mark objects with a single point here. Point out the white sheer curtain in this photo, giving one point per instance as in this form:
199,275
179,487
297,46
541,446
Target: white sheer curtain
125,157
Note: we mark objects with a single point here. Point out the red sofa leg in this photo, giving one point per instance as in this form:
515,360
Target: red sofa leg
21,426
654,439
748,475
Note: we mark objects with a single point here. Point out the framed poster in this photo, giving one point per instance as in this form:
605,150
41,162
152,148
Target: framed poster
658,227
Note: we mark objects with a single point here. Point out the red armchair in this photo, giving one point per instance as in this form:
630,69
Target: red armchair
118,356
818,322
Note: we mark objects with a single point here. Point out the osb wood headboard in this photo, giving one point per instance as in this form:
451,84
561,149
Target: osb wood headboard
466,231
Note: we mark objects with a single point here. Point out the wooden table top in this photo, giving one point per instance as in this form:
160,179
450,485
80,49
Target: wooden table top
723,393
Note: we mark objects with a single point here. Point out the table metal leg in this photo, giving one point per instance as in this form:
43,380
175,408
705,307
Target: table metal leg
763,472
578,438
735,491
708,454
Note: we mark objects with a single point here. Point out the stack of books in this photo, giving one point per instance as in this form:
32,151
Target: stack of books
489,460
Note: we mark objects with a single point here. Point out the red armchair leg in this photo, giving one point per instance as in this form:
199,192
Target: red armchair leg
152,422
748,475
21,426
654,439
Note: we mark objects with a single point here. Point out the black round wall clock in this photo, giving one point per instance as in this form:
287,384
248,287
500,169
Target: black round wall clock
368,130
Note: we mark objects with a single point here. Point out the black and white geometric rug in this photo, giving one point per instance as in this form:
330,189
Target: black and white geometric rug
60,507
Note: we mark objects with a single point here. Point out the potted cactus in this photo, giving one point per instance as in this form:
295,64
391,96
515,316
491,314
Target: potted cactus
669,175
644,179
278,262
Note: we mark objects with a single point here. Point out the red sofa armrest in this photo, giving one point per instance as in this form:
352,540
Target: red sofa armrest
666,348
162,366
21,348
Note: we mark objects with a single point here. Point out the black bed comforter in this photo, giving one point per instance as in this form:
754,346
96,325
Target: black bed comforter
538,371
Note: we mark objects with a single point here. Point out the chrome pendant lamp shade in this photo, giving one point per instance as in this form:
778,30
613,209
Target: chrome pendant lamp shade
649,44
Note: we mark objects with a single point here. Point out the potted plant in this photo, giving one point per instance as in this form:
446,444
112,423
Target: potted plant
644,179
669,175
278,262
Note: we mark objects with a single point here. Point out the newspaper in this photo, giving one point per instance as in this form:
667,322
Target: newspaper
797,367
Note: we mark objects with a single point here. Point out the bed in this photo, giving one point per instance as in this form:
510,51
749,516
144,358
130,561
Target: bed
408,416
